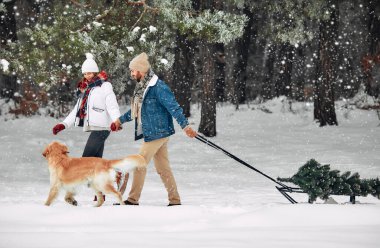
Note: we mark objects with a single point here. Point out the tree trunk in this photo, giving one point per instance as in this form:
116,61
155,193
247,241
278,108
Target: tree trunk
237,61
285,63
220,77
324,109
372,87
207,52
183,72
8,28
207,125
8,24
267,91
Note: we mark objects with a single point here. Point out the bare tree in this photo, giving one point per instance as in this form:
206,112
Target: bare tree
183,72
324,98
373,56
8,34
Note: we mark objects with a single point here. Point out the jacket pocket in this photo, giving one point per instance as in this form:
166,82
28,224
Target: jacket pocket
99,110
151,106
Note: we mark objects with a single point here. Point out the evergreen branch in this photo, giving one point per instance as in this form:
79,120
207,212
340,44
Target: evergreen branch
138,20
80,5
319,181
97,18
142,3
107,12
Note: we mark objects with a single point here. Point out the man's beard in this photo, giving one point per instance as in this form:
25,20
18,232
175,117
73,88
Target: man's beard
137,78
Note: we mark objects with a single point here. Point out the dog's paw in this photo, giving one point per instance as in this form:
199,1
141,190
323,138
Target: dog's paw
71,201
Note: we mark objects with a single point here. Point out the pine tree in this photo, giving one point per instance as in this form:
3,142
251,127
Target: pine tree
51,51
319,181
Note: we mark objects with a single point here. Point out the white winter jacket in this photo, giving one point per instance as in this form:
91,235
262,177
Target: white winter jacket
102,109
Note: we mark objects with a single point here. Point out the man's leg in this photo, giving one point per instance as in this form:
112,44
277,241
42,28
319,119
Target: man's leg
147,150
161,162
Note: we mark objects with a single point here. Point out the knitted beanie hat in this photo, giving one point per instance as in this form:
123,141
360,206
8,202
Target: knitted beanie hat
89,65
140,63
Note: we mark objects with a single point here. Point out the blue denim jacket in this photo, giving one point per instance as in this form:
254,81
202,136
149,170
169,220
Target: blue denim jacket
158,108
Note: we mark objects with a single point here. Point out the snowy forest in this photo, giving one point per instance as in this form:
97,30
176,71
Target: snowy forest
283,96
236,51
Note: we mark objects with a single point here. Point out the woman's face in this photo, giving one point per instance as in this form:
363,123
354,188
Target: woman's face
89,75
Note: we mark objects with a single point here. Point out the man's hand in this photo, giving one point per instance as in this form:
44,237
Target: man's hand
190,132
116,126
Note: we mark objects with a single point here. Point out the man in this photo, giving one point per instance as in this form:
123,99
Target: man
153,106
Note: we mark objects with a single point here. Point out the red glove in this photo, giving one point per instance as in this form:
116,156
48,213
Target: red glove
58,128
113,127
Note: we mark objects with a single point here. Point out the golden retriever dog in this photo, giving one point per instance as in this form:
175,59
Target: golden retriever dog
67,173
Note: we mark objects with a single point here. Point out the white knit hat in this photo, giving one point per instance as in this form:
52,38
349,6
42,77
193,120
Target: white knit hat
140,63
89,65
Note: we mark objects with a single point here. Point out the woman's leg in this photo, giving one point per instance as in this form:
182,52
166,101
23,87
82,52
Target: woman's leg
95,144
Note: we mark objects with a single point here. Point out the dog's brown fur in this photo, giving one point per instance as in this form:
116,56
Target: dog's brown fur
67,173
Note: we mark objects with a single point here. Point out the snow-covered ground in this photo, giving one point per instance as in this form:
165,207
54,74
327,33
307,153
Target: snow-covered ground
224,203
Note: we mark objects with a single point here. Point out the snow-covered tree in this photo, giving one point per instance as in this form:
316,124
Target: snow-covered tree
51,51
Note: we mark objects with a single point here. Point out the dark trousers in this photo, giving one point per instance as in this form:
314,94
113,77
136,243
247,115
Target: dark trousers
95,144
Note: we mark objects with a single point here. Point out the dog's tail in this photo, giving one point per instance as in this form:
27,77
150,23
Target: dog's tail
129,163
126,165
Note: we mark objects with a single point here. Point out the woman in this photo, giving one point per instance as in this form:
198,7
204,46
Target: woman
95,109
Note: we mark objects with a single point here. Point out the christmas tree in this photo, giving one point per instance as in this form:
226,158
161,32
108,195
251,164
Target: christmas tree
319,181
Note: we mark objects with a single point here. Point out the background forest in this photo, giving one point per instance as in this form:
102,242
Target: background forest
209,51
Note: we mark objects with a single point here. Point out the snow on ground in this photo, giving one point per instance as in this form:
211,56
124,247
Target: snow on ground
224,203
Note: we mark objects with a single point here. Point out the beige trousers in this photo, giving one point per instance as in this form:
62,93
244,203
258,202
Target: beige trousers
158,150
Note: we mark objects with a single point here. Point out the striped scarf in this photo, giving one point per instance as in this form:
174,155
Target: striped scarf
138,95
82,112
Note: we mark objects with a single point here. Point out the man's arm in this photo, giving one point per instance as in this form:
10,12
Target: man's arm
116,125
167,99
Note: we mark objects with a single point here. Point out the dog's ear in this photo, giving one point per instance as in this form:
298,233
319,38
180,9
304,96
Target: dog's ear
64,149
45,152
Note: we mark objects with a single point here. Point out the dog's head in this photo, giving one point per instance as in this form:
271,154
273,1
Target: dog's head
55,148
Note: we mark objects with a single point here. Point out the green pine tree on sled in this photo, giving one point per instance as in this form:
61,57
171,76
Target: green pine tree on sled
319,181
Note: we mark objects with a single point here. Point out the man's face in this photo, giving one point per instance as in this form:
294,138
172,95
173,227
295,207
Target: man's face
137,75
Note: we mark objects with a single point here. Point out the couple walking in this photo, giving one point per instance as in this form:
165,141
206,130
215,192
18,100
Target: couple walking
153,107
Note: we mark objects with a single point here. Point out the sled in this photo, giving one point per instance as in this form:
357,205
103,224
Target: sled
281,187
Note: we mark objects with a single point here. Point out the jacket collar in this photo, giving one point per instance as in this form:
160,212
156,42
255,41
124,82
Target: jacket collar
152,82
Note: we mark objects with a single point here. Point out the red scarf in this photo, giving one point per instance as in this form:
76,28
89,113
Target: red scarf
84,84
